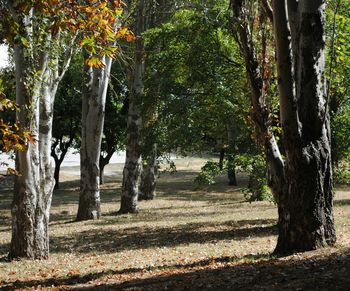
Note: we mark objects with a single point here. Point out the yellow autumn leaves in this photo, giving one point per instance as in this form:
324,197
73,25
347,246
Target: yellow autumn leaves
13,136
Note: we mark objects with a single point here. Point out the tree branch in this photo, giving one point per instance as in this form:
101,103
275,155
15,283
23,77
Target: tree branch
268,9
68,59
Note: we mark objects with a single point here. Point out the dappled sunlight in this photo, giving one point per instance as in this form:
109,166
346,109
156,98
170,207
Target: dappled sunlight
185,234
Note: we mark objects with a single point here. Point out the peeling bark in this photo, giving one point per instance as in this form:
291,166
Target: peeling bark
305,211
302,184
93,111
33,188
132,168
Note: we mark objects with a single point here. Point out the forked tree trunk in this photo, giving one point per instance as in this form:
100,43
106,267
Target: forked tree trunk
104,161
132,168
302,185
305,209
93,111
149,177
37,79
33,188
64,146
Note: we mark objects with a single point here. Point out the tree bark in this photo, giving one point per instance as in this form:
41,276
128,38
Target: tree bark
302,184
64,146
33,188
149,177
231,171
266,138
93,111
132,168
221,159
305,210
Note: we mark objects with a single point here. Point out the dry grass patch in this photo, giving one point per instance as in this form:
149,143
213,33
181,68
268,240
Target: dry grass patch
183,238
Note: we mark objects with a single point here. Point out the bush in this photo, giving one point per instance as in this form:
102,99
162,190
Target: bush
341,173
255,167
208,174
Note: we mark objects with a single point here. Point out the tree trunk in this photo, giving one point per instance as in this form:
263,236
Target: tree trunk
93,110
149,177
305,209
231,171
33,188
132,168
104,161
221,159
102,170
37,79
260,114
302,185
64,146
57,174
103,164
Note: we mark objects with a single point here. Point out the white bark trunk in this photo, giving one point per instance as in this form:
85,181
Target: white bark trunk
132,168
35,96
93,112
33,189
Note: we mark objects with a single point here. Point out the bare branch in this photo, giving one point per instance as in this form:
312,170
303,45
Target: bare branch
268,9
67,61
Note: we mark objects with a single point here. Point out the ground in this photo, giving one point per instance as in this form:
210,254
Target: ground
186,239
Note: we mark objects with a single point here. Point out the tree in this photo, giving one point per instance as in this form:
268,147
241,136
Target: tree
107,30
35,29
116,115
29,29
132,168
66,121
302,182
93,110
195,71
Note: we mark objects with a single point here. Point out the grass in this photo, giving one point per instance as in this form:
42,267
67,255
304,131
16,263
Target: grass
182,240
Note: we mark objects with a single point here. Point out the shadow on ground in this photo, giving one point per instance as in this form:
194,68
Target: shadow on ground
225,273
115,240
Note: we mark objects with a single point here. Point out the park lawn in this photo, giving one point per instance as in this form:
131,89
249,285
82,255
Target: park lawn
186,239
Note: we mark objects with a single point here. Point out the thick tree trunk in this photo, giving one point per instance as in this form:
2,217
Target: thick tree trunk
149,177
132,168
33,188
305,209
302,185
93,111
37,79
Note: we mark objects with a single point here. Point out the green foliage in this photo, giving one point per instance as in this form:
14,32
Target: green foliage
255,166
197,76
341,172
208,174
339,77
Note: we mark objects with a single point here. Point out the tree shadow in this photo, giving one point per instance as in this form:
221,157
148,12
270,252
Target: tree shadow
135,238
330,273
224,273
343,202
